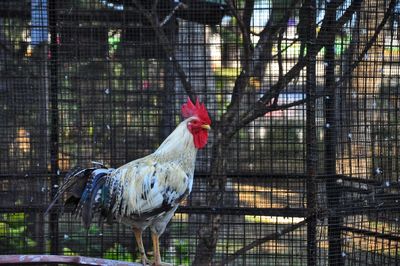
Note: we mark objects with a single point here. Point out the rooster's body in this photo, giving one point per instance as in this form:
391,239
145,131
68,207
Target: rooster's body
145,192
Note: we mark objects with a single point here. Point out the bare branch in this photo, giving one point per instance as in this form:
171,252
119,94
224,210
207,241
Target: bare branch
244,25
169,16
247,43
369,44
231,124
248,12
168,48
241,22
280,66
261,107
260,110
273,236
266,37
287,105
368,201
280,51
258,55
244,20
254,33
325,31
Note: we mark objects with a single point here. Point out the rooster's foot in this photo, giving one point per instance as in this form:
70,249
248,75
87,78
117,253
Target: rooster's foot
146,261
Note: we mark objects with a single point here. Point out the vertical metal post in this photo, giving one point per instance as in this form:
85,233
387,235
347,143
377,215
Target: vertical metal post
39,35
54,125
332,189
311,139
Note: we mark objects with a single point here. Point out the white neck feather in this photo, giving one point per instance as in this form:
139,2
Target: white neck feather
178,147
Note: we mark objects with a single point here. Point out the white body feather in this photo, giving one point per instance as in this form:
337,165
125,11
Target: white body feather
147,191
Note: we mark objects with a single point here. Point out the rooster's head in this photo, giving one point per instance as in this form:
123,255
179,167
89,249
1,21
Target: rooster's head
198,123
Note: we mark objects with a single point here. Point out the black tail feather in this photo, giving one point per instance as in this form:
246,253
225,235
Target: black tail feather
91,201
74,184
81,185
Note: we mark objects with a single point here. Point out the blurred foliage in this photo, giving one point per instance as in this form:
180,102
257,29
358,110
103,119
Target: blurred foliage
95,242
13,234
68,252
76,243
181,252
118,252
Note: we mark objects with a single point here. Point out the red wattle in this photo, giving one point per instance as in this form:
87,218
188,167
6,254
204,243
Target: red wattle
200,138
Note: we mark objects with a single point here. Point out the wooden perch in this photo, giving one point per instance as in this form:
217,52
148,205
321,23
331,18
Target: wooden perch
54,259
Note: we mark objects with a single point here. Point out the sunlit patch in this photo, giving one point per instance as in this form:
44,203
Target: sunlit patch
23,140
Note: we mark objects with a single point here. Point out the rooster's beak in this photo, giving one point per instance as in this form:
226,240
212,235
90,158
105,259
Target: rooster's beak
205,126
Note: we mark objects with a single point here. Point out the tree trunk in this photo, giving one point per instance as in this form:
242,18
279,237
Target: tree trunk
208,235
209,232
195,59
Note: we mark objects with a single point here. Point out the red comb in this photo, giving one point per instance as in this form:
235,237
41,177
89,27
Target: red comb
199,110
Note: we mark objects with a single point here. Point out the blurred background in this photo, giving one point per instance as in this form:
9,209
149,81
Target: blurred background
93,80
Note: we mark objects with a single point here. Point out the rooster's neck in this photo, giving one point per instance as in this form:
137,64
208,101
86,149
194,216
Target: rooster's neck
179,148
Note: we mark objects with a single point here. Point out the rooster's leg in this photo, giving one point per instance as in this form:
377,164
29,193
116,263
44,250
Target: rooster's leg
139,241
156,247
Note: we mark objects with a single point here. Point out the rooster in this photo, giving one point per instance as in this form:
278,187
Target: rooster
145,192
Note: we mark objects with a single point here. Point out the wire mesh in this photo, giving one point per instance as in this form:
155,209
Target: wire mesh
313,183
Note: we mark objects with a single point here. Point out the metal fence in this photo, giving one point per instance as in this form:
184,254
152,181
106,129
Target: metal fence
304,96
